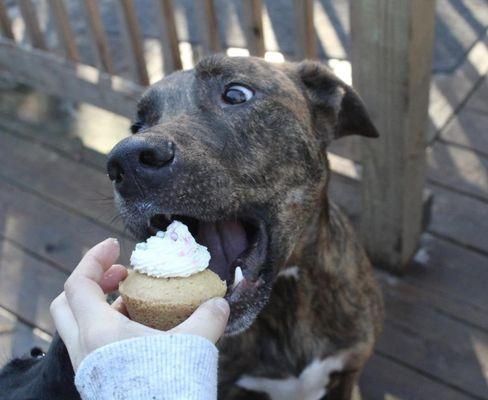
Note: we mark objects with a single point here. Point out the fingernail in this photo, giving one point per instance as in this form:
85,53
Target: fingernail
115,241
221,303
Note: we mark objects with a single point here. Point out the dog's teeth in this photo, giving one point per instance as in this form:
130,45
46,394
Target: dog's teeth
168,217
238,277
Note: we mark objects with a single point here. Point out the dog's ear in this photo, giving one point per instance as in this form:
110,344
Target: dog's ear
336,108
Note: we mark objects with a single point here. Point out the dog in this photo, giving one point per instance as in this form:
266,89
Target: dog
236,148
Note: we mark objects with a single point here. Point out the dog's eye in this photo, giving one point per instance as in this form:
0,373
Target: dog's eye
237,94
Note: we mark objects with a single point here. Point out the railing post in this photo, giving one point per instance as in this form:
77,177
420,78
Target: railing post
209,26
169,38
65,33
136,42
99,36
253,26
5,24
29,14
305,42
392,43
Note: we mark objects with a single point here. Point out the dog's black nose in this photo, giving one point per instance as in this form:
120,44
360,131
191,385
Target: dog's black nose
139,160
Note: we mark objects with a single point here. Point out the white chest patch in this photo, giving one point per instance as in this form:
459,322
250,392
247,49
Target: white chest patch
290,272
310,385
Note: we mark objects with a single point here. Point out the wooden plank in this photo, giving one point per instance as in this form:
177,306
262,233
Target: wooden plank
347,147
209,27
28,286
61,141
451,271
253,26
468,129
388,380
346,193
460,218
124,50
5,23
448,92
392,44
51,233
53,75
169,38
435,344
99,36
65,33
442,272
29,14
136,42
85,136
305,41
478,101
462,310
75,187
460,169
17,338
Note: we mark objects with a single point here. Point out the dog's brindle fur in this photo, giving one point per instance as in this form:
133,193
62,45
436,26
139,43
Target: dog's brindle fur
266,157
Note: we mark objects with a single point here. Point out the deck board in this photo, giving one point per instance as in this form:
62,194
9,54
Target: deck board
478,102
460,218
451,271
469,129
384,379
17,338
77,187
51,232
461,169
429,341
28,286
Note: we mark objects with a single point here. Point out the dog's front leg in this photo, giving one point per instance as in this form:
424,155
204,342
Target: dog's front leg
344,388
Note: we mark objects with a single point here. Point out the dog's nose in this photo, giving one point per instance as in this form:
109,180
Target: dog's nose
137,160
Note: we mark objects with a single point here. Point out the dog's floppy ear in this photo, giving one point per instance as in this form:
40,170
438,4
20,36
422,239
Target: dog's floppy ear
334,103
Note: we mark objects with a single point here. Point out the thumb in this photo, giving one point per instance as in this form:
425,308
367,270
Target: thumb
209,320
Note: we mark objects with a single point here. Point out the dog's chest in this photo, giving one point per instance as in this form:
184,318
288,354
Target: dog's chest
311,384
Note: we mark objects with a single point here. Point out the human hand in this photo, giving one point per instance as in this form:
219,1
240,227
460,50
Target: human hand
85,321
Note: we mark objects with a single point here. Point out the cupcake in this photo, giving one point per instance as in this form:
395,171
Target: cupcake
169,279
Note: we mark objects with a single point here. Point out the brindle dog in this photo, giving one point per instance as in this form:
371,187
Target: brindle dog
236,149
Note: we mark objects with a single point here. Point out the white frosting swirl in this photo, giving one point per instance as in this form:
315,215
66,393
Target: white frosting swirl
169,254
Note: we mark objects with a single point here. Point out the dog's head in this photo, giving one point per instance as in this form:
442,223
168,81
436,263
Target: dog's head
236,149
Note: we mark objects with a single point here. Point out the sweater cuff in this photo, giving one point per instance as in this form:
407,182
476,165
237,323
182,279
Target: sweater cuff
155,367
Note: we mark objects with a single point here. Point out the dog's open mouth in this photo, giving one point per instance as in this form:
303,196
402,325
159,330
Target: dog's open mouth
237,247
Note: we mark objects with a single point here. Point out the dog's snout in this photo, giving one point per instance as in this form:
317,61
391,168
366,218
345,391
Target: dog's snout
137,158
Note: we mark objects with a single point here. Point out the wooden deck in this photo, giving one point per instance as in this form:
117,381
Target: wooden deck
55,204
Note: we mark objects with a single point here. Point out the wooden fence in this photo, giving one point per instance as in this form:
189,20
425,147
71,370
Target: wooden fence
391,51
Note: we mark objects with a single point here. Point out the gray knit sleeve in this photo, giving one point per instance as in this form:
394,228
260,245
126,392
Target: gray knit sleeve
150,367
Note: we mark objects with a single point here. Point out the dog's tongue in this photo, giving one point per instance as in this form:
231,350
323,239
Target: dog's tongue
225,240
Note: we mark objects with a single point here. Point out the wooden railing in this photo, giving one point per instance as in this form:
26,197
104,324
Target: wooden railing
391,50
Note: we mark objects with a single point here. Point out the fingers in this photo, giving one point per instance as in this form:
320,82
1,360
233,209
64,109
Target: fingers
112,277
64,320
118,305
98,259
83,291
209,320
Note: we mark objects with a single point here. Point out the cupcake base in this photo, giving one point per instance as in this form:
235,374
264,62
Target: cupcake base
163,303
